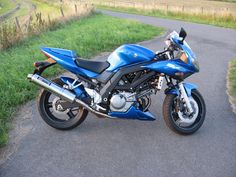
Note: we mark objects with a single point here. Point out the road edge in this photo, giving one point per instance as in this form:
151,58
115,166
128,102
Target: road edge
231,98
21,126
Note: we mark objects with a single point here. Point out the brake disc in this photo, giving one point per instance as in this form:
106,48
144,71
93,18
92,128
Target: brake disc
184,118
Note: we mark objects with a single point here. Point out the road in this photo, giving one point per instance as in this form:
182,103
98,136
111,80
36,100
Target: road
118,148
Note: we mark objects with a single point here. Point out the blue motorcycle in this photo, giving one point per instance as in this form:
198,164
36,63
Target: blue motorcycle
121,87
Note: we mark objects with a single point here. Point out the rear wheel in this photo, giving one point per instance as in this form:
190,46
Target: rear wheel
176,116
54,115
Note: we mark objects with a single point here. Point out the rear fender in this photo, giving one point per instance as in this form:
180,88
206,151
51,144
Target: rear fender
188,88
40,66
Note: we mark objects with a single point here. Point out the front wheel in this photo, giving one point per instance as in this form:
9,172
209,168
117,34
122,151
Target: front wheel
176,117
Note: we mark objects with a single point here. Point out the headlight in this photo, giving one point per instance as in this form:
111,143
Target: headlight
184,57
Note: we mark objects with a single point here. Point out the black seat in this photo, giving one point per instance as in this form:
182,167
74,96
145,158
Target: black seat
95,66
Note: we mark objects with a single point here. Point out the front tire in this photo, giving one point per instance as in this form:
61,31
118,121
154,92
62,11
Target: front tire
171,117
63,121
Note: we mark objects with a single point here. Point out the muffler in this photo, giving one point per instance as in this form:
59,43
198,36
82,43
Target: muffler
51,86
61,92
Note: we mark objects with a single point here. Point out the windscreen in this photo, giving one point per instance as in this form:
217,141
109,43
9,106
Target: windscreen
174,37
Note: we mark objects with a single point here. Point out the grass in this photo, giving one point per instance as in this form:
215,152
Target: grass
6,5
89,36
227,21
232,82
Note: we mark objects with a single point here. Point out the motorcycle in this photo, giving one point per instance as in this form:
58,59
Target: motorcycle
121,87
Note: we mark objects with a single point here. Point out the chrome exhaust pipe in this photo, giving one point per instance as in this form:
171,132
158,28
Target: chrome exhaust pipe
91,109
61,92
51,86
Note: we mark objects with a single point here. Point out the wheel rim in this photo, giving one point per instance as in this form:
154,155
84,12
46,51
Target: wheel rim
54,115
185,122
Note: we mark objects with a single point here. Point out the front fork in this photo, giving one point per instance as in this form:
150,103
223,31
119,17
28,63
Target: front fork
185,97
183,90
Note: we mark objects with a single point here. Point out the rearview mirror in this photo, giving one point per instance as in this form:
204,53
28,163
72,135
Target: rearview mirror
182,34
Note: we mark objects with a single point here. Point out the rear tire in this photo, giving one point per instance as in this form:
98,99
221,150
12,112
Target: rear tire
171,117
45,107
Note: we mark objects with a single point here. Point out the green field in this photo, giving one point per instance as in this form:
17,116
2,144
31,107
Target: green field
228,22
89,36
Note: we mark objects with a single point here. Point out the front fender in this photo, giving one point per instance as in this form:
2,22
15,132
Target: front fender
188,88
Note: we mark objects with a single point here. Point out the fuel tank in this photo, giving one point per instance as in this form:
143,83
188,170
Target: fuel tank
129,54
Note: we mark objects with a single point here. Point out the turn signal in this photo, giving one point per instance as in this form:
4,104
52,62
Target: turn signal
50,60
184,58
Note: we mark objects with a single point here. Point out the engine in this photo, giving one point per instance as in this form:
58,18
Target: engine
121,102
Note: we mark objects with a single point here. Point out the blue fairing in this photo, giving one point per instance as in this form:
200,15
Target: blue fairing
133,113
64,52
129,54
170,67
188,87
66,58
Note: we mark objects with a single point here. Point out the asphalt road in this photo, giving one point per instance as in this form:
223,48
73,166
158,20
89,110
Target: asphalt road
118,148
